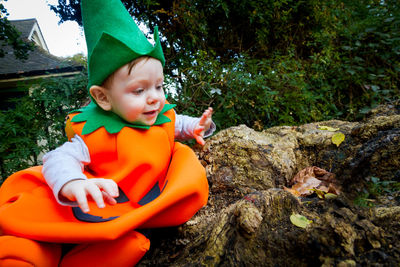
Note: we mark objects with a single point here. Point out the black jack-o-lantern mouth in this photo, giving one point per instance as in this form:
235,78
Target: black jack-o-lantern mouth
112,212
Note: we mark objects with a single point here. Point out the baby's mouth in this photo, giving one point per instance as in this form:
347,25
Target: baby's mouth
150,113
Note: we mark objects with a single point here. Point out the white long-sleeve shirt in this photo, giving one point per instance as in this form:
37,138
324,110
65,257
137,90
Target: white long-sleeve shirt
66,163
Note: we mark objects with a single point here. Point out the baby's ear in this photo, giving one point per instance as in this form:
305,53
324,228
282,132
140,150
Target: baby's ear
100,95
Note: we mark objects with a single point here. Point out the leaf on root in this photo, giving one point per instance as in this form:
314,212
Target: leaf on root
299,220
338,138
314,180
327,128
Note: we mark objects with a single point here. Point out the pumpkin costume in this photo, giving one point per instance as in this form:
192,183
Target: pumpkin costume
158,189
161,182
146,164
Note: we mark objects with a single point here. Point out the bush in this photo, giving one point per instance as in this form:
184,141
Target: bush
348,64
36,125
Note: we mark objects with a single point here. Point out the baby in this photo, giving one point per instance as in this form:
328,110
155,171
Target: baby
135,93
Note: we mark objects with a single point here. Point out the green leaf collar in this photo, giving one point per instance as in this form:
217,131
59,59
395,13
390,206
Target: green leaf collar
96,117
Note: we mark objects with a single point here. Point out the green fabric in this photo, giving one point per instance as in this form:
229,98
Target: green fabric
96,117
113,39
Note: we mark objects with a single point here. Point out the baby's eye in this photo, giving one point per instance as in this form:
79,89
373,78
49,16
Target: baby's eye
160,87
138,91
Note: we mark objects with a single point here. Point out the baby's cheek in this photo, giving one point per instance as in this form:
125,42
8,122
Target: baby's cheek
133,113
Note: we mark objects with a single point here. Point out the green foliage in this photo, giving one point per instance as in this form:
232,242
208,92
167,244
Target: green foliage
362,200
18,148
36,125
80,58
375,188
259,93
246,91
359,54
347,64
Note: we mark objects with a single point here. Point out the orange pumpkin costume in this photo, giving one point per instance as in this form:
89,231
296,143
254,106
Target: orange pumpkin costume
161,183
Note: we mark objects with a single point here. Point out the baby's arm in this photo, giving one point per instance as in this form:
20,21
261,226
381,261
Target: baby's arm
64,164
63,171
187,127
203,126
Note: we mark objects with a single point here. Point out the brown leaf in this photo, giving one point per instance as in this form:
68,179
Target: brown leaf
309,171
308,183
307,180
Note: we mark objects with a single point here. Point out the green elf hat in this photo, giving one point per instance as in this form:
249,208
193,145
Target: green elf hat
113,39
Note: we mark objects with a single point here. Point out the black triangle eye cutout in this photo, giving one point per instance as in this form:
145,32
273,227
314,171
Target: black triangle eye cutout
86,217
122,198
152,194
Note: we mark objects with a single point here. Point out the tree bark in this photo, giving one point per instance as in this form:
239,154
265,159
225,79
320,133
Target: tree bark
247,219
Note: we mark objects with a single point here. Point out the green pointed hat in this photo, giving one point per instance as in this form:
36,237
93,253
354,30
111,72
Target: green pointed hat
113,39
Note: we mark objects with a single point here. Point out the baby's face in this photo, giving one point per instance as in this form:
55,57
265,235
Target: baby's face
138,96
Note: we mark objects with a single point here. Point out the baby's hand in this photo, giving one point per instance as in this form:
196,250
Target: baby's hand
203,126
98,188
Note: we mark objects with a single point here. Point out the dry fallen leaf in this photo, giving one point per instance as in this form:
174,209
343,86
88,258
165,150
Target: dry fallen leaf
308,183
313,180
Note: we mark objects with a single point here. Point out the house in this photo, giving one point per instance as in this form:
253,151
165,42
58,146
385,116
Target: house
40,64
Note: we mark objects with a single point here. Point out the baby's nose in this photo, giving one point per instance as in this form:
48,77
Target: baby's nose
152,97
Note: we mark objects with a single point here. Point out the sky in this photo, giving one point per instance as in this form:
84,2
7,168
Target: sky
66,39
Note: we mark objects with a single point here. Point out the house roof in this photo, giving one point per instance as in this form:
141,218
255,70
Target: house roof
30,30
39,62
25,26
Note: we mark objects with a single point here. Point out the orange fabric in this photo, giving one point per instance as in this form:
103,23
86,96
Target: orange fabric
124,251
133,158
19,252
137,160
68,128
